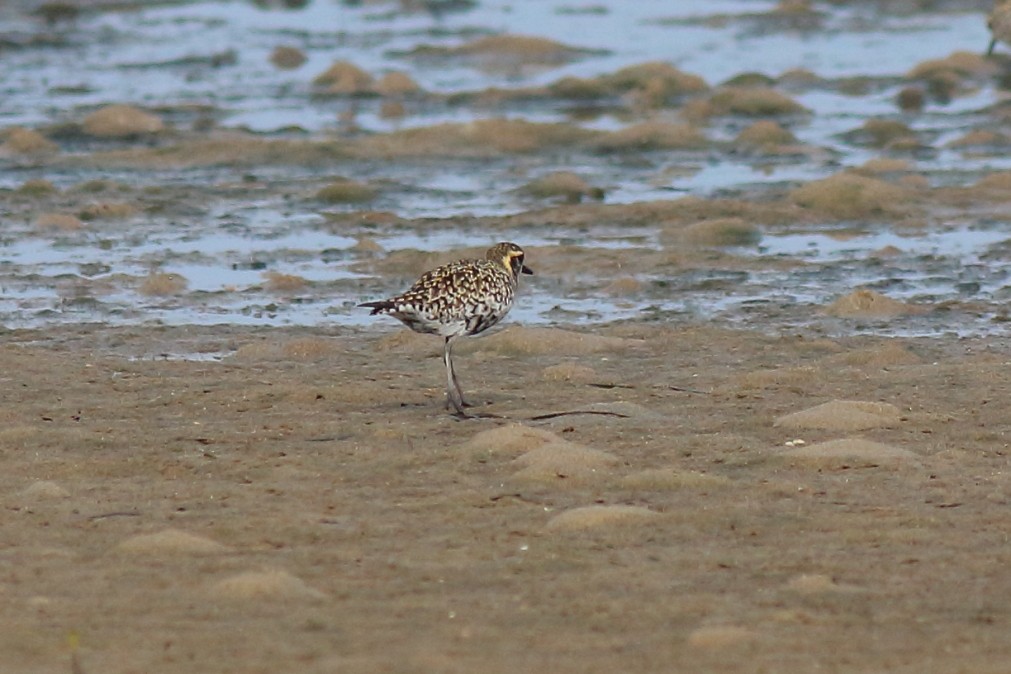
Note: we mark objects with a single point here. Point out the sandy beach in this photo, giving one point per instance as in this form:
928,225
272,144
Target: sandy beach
662,499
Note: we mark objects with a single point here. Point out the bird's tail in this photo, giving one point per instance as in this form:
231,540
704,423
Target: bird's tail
378,307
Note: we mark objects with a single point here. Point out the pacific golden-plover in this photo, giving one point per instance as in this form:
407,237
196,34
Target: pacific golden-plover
461,298
999,24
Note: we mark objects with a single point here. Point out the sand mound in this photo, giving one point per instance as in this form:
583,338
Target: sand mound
344,191
529,48
232,148
573,372
513,439
120,121
276,282
959,63
658,75
161,284
654,135
865,303
107,210
505,52
753,101
883,165
480,138
298,349
44,490
564,461
719,232
911,99
998,182
592,517
846,196
171,541
58,222
564,184
518,340
980,139
265,585
671,479
843,415
642,86
35,187
880,133
850,453
890,354
288,58
765,133
396,83
343,78
22,141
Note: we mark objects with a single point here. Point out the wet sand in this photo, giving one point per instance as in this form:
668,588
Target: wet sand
683,161
305,504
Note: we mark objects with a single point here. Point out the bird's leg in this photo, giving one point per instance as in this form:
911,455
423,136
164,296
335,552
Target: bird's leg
454,396
456,383
459,389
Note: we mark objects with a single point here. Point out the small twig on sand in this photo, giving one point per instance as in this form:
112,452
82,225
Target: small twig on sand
663,386
553,415
683,389
122,513
477,415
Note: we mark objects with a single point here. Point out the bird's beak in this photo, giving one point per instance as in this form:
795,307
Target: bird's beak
989,50
527,270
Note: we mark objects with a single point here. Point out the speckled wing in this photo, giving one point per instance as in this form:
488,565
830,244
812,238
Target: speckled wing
463,297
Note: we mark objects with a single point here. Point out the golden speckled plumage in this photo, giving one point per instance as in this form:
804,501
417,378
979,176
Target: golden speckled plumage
461,298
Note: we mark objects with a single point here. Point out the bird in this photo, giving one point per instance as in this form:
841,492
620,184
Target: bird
999,23
465,297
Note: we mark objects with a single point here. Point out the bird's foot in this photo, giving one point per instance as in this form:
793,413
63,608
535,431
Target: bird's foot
458,408
459,414
457,404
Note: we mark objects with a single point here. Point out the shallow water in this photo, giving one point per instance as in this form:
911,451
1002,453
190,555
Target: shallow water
214,57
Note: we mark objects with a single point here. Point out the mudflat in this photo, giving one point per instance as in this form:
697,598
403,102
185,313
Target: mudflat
750,415
647,498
